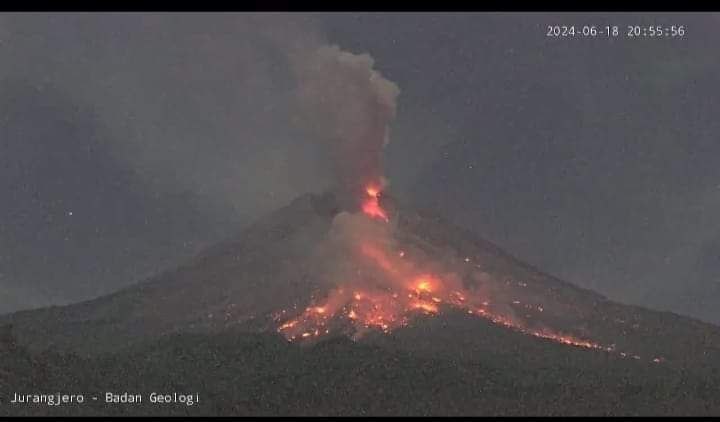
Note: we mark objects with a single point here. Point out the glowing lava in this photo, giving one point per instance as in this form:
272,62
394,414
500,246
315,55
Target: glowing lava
423,285
402,290
371,205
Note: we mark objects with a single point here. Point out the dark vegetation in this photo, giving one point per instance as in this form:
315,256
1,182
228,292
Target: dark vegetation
242,373
178,333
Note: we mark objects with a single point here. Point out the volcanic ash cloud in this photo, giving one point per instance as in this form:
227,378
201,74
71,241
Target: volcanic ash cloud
349,106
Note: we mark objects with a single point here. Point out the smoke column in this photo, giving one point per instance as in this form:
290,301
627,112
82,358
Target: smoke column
349,107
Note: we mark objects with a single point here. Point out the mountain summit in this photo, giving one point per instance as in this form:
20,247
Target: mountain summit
384,284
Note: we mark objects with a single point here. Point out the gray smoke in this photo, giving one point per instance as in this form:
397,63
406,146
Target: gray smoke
349,105
193,125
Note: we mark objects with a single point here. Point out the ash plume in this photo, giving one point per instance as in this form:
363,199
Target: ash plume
348,105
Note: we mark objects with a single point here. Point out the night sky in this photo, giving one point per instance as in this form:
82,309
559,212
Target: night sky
128,142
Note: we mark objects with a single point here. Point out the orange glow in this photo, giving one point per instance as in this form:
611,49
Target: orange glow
423,285
288,324
427,307
386,309
371,206
403,287
459,296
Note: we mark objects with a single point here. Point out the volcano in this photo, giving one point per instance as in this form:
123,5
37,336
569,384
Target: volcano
382,309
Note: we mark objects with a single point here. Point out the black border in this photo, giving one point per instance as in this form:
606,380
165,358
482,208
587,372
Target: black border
359,7
362,6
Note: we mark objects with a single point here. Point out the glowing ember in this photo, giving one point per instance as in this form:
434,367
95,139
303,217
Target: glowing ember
423,286
427,307
288,324
401,291
373,192
371,205
386,311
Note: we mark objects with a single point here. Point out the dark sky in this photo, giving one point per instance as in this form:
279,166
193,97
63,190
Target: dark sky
130,141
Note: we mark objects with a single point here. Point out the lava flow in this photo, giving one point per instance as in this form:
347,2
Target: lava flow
371,206
389,298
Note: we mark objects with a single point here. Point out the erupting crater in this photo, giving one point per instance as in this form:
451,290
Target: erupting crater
403,289
371,205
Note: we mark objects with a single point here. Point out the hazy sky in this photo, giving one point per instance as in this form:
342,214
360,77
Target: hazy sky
130,141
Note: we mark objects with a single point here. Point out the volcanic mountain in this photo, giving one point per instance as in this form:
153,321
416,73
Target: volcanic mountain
319,308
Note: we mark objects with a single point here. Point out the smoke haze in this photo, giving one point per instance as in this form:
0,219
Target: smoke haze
350,106
128,142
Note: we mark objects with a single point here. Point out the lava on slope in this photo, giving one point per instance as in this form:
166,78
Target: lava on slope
392,285
371,205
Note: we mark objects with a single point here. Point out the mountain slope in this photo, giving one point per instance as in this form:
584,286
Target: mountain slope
271,266
240,373
210,326
250,275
